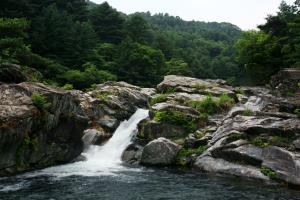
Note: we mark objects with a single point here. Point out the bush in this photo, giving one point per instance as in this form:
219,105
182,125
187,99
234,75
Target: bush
68,86
226,102
176,118
210,105
40,101
184,153
158,99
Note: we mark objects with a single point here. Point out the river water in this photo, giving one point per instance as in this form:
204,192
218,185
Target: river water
103,176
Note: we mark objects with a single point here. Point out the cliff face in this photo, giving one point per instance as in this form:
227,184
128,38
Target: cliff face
39,127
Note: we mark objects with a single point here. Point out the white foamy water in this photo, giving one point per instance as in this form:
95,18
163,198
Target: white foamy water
101,160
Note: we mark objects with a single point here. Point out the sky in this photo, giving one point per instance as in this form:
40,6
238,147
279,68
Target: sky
246,14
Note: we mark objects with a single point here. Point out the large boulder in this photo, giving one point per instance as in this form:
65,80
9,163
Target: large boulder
196,86
38,130
111,103
160,152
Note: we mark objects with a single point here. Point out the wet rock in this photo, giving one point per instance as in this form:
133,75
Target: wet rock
33,136
94,137
217,165
160,152
132,155
151,130
286,164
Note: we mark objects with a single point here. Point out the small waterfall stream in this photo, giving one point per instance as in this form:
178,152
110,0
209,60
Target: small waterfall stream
102,160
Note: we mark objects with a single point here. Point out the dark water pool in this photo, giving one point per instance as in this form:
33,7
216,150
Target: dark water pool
137,184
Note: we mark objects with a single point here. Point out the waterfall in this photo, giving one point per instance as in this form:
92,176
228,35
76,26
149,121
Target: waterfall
102,160
112,151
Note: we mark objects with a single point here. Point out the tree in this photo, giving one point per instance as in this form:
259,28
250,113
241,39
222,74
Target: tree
108,23
138,29
140,64
56,36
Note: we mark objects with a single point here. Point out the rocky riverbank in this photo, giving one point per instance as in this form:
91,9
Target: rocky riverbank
206,125
209,126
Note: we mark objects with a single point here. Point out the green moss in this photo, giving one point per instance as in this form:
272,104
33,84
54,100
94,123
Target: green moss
268,172
260,142
40,101
158,99
297,112
210,105
176,118
200,86
247,112
169,90
290,94
239,91
234,137
68,87
102,95
184,153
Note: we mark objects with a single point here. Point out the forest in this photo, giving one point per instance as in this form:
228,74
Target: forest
78,44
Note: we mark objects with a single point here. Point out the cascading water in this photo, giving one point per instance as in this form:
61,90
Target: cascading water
102,160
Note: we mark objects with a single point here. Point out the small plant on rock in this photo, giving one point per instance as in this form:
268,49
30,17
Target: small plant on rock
247,112
176,118
68,86
268,172
40,101
158,99
226,102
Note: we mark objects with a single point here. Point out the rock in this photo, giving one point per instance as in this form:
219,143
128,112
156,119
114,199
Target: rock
216,165
286,164
11,73
160,152
33,137
296,144
196,86
111,103
257,125
132,155
247,154
286,81
94,137
151,130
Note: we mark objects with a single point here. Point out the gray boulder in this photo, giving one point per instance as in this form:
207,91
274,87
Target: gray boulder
160,152
33,136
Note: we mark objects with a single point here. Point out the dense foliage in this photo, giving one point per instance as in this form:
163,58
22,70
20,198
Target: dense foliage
276,45
79,43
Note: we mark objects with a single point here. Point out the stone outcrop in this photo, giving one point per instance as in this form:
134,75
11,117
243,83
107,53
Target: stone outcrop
111,103
39,131
159,152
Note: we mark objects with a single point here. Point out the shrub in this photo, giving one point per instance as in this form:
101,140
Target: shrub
268,172
247,112
158,99
209,105
40,101
184,153
68,86
176,118
102,95
226,102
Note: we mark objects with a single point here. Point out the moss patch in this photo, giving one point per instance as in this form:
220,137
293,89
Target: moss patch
183,154
268,172
40,101
176,118
158,99
101,95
